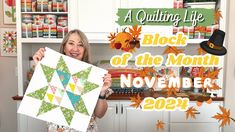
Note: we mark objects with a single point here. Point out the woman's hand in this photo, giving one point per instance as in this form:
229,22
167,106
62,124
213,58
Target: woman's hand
107,83
38,55
102,106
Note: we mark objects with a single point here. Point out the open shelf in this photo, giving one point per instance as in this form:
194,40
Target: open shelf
56,13
42,40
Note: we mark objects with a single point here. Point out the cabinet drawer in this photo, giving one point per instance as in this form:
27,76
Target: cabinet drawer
204,114
194,127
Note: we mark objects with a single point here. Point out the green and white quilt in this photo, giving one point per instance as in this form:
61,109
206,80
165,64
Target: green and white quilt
63,91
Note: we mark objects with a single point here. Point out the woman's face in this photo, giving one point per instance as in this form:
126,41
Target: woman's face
74,47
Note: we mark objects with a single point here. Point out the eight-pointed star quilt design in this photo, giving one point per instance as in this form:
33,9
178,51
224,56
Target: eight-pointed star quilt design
63,90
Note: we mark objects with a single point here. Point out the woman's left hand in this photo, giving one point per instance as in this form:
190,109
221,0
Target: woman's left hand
107,83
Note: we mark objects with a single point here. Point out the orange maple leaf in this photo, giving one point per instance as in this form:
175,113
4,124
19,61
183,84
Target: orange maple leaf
147,71
135,31
112,36
160,125
170,91
112,44
172,49
214,87
137,101
224,117
217,15
213,74
201,51
191,112
210,74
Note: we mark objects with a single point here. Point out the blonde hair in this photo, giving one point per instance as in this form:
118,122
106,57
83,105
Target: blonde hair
86,55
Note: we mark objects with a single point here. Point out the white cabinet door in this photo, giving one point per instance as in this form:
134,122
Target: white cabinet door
204,113
110,122
203,122
147,3
97,18
194,127
136,120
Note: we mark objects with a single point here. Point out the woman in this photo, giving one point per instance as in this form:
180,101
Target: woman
75,44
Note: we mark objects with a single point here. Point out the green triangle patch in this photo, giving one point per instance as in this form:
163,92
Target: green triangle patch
48,72
68,114
80,107
83,74
39,94
62,66
89,86
45,107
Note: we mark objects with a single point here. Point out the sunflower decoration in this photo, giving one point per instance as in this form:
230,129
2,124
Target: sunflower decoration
126,41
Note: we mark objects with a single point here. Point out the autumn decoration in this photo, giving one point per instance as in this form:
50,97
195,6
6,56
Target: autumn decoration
126,41
217,16
172,49
160,125
147,72
201,51
191,112
224,117
136,101
171,91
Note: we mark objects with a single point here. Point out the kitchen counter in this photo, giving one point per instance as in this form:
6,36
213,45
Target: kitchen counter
126,96
115,96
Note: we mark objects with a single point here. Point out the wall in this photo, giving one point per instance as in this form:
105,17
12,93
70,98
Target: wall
8,87
230,66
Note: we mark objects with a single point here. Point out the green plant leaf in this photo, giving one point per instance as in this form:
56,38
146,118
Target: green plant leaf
8,13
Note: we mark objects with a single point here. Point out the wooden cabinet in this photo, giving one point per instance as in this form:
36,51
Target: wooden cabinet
120,117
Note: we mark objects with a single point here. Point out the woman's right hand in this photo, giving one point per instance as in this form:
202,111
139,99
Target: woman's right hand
38,55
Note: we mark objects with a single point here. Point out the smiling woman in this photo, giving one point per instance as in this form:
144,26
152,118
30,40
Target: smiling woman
76,45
